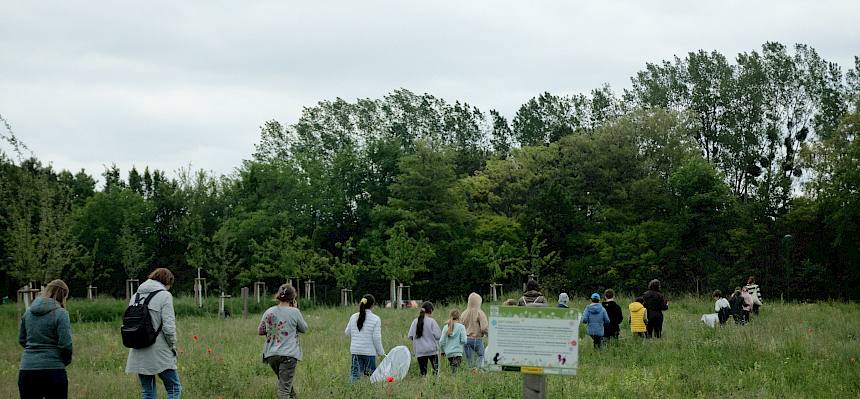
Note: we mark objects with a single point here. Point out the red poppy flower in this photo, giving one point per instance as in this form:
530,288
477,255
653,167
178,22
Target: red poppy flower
194,337
390,379
208,350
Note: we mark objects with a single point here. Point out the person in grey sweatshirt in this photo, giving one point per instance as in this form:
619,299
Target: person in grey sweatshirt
425,333
46,336
160,358
281,325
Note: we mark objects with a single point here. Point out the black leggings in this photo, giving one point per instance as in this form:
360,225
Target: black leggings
655,324
39,384
422,363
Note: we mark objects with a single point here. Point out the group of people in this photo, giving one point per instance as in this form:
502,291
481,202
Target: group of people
45,333
744,301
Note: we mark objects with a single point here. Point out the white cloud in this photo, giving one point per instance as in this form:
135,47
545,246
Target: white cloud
166,84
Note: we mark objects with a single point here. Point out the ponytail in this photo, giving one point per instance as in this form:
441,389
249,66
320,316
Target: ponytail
453,316
426,307
363,305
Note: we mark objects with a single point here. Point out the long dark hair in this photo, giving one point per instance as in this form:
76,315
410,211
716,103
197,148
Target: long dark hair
366,302
426,307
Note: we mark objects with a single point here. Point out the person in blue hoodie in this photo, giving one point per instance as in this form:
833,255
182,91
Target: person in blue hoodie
46,336
595,317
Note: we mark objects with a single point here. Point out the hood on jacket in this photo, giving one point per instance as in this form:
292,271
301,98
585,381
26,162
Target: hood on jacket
635,306
475,301
42,306
594,308
149,286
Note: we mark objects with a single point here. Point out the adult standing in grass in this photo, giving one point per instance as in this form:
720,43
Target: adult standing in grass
656,303
755,292
365,332
424,334
46,335
281,325
159,359
475,321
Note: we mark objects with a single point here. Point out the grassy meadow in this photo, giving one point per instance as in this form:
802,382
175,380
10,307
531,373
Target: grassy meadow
791,350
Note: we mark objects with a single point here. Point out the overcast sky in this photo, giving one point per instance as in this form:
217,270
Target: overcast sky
168,84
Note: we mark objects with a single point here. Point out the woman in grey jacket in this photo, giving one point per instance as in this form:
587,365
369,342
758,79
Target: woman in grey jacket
46,336
281,325
160,358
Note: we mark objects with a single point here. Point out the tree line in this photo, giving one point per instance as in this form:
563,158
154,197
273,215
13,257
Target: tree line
706,170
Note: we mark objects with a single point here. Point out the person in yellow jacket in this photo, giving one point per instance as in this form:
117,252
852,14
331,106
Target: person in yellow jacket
638,318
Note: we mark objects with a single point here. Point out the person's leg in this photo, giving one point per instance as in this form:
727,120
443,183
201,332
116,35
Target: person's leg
479,347
55,384
455,362
147,386
29,386
471,353
649,327
755,308
286,373
422,365
369,365
434,361
658,325
356,369
170,379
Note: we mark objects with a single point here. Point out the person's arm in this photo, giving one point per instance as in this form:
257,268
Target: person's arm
412,328
64,337
585,316
168,321
665,303
262,328
348,330
22,334
444,339
377,338
485,324
301,325
462,329
437,332
605,317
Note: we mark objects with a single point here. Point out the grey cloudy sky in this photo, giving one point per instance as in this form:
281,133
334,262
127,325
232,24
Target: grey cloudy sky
168,84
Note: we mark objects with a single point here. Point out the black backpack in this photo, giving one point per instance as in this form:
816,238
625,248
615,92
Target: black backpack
137,330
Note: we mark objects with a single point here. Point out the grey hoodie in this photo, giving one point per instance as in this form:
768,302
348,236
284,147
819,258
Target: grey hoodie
46,335
162,354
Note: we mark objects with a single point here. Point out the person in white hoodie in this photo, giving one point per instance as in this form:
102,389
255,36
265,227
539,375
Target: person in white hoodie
365,332
159,358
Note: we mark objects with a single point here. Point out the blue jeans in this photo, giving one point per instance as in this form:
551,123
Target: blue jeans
361,364
474,351
169,377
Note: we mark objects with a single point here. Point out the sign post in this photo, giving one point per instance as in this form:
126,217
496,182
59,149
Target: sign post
535,341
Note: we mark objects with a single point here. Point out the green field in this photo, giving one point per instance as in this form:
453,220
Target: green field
791,350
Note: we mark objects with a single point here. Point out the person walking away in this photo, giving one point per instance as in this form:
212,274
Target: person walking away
755,293
281,325
532,296
722,307
563,300
596,318
158,359
656,303
424,334
638,317
613,329
737,305
453,341
475,321
365,332
45,334
748,303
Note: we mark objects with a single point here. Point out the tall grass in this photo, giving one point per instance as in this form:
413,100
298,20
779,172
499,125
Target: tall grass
791,350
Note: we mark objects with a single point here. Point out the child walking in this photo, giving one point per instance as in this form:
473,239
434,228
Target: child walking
613,329
638,318
365,332
722,307
477,326
281,325
425,334
453,341
595,317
